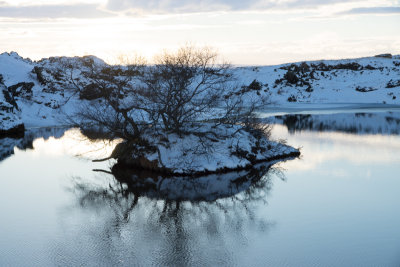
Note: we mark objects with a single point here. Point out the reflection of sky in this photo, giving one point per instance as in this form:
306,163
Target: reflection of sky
337,206
348,149
74,144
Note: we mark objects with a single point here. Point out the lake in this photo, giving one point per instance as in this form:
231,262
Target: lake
336,205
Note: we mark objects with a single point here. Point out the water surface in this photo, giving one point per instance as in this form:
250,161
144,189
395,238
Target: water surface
337,205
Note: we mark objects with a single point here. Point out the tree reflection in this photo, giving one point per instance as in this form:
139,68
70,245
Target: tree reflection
180,214
127,186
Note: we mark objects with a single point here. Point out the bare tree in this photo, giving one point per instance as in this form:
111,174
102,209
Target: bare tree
184,86
113,103
178,94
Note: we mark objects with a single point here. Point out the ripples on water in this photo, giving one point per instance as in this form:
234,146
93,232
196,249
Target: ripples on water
335,206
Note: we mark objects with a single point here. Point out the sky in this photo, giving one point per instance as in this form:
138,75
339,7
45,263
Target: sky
253,32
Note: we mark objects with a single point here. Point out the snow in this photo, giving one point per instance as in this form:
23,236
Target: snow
53,103
337,85
201,153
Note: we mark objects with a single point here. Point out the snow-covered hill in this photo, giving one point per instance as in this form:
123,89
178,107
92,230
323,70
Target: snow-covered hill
43,93
364,80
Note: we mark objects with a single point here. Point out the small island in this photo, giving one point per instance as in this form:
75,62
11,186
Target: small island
184,114
187,112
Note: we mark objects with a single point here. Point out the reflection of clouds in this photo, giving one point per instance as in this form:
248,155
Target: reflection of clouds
334,146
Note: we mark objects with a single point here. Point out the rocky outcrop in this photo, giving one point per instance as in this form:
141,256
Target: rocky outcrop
50,90
196,154
15,132
10,121
385,55
22,89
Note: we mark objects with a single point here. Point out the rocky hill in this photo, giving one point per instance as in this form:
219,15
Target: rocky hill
44,93
364,80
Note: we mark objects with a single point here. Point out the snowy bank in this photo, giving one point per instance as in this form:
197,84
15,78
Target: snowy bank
202,153
44,92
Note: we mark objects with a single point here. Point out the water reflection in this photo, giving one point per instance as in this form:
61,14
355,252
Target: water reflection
129,185
185,221
339,207
387,123
74,143
7,144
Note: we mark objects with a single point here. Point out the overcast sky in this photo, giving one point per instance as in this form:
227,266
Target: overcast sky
259,32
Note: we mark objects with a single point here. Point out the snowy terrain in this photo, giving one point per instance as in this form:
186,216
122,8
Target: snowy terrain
44,95
49,92
235,148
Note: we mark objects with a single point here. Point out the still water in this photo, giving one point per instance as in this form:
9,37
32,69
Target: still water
337,205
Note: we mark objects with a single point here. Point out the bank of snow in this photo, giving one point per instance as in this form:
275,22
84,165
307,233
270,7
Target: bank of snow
361,80
45,95
202,152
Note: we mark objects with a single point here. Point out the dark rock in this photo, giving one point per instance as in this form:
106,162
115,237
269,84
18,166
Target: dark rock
365,89
255,85
348,66
393,83
384,55
278,81
15,132
291,77
23,89
321,67
292,98
304,67
369,67
10,99
38,71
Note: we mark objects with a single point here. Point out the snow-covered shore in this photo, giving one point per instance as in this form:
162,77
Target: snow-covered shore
202,153
40,91
43,93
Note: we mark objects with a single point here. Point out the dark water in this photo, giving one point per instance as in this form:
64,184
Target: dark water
338,205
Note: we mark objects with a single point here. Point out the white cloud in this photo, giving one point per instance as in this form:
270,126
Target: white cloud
181,6
259,36
373,10
105,8
53,11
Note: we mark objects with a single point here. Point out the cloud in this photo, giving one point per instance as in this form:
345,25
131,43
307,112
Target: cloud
100,9
181,6
373,10
53,11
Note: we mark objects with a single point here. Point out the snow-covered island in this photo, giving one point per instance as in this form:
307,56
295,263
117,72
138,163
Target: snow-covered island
44,93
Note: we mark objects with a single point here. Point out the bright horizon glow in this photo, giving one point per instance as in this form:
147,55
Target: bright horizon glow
245,33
